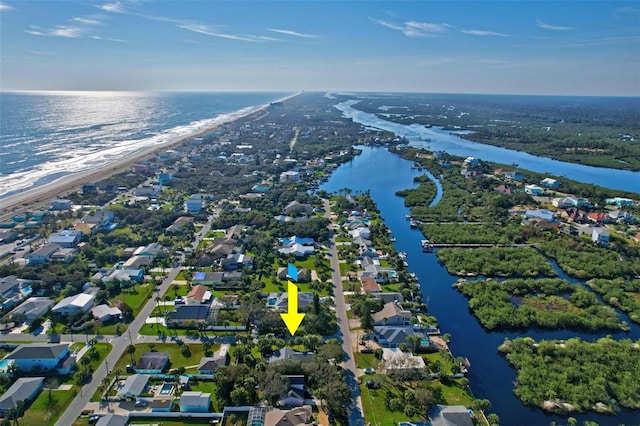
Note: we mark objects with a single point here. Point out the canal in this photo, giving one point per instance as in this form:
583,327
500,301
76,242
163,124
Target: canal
383,173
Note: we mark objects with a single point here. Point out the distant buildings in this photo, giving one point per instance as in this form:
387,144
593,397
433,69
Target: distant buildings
194,203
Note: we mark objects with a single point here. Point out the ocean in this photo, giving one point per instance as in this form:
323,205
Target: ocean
46,135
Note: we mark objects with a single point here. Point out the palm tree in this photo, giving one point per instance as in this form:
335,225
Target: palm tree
131,350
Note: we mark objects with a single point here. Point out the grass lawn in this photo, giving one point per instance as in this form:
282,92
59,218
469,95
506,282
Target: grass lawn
455,394
374,403
366,360
181,276
46,410
207,387
175,355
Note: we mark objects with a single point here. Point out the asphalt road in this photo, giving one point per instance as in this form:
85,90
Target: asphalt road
119,344
354,409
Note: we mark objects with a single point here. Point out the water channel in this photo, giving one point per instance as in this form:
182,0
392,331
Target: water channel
383,173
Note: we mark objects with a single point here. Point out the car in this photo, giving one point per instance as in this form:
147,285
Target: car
369,371
140,403
372,384
93,418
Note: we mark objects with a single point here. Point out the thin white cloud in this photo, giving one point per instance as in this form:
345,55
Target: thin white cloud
493,61
95,37
5,7
414,28
206,30
86,21
546,26
66,32
482,33
112,7
292,33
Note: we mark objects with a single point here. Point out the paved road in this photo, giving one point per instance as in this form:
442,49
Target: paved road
119,343
354,409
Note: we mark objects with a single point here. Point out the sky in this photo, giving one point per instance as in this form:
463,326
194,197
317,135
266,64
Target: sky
512,47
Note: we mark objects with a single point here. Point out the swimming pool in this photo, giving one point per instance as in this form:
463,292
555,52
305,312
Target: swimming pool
4,364
166,389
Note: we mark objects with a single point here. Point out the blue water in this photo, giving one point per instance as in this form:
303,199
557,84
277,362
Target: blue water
46,135
442,140
490,375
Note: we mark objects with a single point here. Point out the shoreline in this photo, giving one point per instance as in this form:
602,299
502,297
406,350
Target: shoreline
33,197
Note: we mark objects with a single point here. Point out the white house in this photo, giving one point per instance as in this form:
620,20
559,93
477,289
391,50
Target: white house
195,402
550,183
134,386
533,190
72,304
600,236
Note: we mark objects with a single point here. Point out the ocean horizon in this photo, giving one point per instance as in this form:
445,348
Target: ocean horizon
46,135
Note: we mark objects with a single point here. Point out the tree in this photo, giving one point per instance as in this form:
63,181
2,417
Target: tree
131,349
366,320
493,419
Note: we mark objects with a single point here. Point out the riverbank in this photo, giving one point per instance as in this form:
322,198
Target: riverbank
40,195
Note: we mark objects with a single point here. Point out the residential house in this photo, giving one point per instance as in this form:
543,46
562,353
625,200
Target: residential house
293,397
152,363
620,216
30,309
450,415
195,402
389,297
296,417
198,294
42,255
43,357
208,278
503,189
25,389
290,176
379,273
514,175
533,190
280,301
599,217
164,178
209,365
392,314
600,236
295,206
562,202
64,255
363,232
60,204
396,361
187,314
9,287
134,386
152,250
125,276
304,274
550,183
288,353
106,313
66,238
620,201
102,219
138,262
194,203
298,250
370,285
72,304
179,224
235,261
392,336
543,214
113,420
575,215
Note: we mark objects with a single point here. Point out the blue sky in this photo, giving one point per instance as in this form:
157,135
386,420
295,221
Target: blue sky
524,47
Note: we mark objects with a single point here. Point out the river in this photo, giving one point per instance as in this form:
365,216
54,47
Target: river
441,140
383,173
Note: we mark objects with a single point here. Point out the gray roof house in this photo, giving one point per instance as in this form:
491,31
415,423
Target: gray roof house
134,386
184,313
392,336
289,353
152,363
32,308
43,356
113,420
280,301
24,389
450,415
208,365
9,286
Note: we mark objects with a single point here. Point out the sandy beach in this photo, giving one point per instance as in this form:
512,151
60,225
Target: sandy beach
41,195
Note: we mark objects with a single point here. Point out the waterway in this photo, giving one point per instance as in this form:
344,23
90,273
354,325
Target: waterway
383,173
441,140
